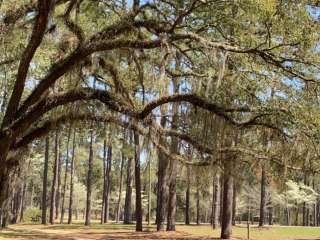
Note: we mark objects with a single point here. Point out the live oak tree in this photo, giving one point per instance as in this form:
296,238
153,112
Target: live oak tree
66,45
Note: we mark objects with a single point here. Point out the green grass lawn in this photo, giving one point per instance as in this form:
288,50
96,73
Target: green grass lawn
118,231
265,233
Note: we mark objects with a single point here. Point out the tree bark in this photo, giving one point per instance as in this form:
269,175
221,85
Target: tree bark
104,194
120,188
227,200
127,206
198,205
71,178
216,202
89,181
138,183
108,185
23,201
187,209
57,208
270,218
172,200
149,191
305,210
45,183
162,181
65,176
263,196
55,178
234,205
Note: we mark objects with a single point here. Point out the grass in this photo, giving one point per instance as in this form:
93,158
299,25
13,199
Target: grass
78,231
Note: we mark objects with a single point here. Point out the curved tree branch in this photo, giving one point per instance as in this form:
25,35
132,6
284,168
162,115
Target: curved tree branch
38,32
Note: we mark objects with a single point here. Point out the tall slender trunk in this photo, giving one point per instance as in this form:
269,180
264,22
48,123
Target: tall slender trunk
23,201
149,191
172,198
65,176
108,185
226,221
318,211
137,183
234,205
216,201
89,181
55,178
263,196
120,189
305,210
45,183
162,180
17,202
71,178
270,211
198,205
128,200
104,181
187,209
58,195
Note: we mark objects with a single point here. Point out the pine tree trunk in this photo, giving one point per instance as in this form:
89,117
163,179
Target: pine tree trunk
65,176
23,201
138,183
108,185
172,199
270,214
149,192
55,178
162,182
104,181
216,202
120,188
234,205
45,183
263,196
128,200
57,208
89,181
226,221
305,212
71,178
315,220
198,205
187,209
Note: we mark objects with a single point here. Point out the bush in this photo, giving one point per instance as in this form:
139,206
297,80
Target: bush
32,215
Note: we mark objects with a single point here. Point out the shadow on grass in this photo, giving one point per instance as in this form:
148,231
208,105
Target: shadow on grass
110,231
79,226
28,235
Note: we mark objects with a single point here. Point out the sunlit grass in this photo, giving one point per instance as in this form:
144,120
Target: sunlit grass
60,231
265,233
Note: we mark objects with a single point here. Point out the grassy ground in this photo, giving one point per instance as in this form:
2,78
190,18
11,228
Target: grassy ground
118,231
